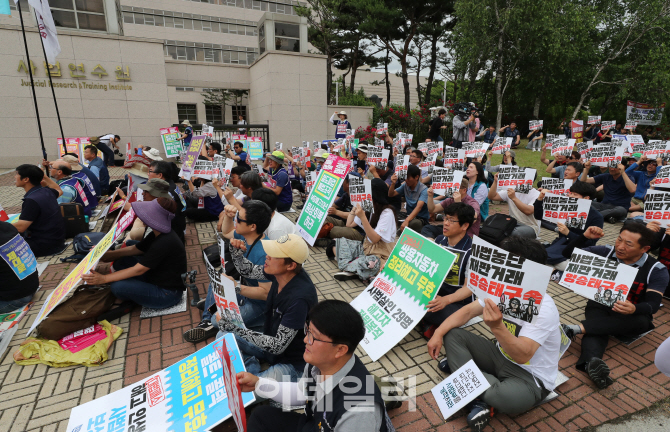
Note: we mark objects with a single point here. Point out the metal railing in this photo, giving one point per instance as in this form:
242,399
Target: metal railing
221,132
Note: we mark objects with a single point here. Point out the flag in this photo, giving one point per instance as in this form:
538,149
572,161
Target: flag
45,23
4,7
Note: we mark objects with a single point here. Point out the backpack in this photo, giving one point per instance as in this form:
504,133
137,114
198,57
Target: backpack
496,228
75,222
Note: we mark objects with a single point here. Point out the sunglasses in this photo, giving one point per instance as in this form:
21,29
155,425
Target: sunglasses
240,220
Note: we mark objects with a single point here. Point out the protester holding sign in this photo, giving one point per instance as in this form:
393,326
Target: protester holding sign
209,204
18,270
332,333
569,171
535,137
508,159
238,154
433,231
642,178
341,123
416,196
477,188
488,135
281,184
618,189
630,317
511,131
520,208
523,364
559,158
164,171
365,260
72,188
148,273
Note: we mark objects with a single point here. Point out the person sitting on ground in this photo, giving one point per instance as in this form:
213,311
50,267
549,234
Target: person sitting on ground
86,184
630,316
338,214
98,168
91,172
213,149
509,158
433,231
415,158
416,196
642,177
559,171
512,132
477,188
488,135
618,190
19,279
228,197
280,225
72,188
274,166
249,182
290,297
555,258
332,333
520,208
40,223
148,273
559,158
238,154
521,367
459,217
209,204
152,189
162,170
535,140
365,260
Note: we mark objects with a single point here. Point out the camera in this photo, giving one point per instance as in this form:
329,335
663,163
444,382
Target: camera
463,109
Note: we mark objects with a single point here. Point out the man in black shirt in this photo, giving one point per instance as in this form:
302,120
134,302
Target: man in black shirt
18,270
292,294
436,126
40,222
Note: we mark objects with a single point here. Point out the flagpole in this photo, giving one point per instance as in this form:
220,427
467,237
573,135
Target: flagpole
53,92
32,82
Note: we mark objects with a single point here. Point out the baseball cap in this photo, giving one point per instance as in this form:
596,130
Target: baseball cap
157,188
287,246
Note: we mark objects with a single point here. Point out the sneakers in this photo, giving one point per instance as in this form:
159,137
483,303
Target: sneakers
444,366
611,219
343,276
599,373
428,330
480,415
202,332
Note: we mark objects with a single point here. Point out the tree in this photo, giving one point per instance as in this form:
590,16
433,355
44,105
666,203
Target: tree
220,97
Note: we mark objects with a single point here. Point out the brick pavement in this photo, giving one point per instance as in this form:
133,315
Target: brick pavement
39,398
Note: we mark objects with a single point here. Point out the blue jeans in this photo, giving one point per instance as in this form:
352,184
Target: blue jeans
209,301
138,290
252,311
12,305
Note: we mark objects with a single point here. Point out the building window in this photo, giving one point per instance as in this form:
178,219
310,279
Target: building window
185,88
287,37
214,114
158,18
212,53
79,14
239,110
187,112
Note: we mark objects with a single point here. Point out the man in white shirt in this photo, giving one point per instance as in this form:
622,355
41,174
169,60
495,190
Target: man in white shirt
520,208
523,364
108,141
280,225
241,121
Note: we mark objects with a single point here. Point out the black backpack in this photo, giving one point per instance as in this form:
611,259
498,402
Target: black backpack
75,222
497,227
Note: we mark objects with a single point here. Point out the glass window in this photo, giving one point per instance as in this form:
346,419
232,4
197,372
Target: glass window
250,58
280,8
197,25
172,51
178,23
187,112
214,114
224,27
169,22
128,18
256,5
232,28
285,44
64,18
287,30
234,58
88,14
199,54
239,110
90,6
59,4
261,44
215,27
206,26
190,53
188,24
149,19
226,56
92,22
139,18
272,7
158,21
181,53
264,6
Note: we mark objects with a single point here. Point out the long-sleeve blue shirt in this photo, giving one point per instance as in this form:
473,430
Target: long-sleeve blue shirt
641,179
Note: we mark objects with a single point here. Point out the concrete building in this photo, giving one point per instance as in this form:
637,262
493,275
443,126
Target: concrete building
131,67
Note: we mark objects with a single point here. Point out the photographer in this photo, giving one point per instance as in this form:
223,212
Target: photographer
463,121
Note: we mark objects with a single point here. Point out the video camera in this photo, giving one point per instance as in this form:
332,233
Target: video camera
463,109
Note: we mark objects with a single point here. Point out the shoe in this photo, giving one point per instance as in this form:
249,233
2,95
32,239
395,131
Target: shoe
322,242
329,250
299,207
201,304
429,331
342,276
443,365
611,219
599,373
202,332
568,331
480,415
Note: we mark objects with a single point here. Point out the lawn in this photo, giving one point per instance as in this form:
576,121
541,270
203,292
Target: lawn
527,158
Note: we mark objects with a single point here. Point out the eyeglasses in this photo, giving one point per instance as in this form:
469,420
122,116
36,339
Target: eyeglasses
151,172
240,220
450,221
311,338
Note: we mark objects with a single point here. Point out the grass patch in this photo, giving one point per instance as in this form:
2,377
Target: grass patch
527,158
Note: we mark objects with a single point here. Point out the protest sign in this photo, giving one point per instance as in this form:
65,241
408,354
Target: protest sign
360,192
643,113
662,179
398,297
19,257
657,207
454,158
594,120
191,155
475,150
190,395
584,148
340,146
73,279
446,181
233,390
255,145
562,147
324,193
169,130
278,146
203,169
221,171
557,186
171,144
630,125
577,129
519,178
429,163
535,124
655,149
71,145
507,279
310,182
549,140
597,278
226,300
378,157
500,145
382,128
3,214
572,212
607,124
401,164
459,389
636,143
433,148
606,155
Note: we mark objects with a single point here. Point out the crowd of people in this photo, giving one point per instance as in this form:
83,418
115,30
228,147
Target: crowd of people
301,337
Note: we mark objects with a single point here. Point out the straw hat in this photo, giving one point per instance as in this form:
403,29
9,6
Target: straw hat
186,123
73,161
152,154
139,169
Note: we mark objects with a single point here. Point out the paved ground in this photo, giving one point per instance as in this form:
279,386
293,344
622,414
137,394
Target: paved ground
38,398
